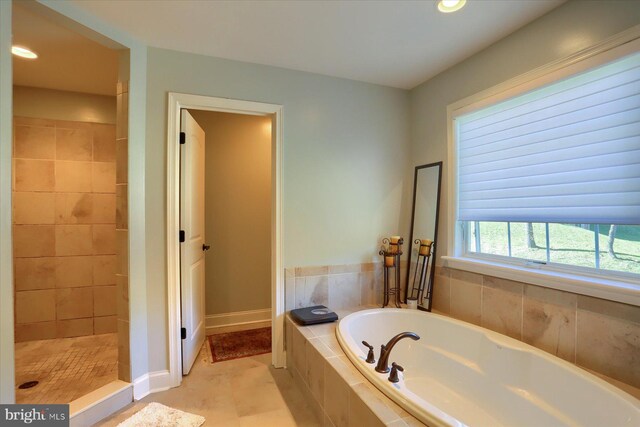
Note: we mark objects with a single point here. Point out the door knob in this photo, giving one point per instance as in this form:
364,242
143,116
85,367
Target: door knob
206,247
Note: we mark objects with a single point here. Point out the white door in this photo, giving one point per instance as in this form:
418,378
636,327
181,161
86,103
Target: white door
192,247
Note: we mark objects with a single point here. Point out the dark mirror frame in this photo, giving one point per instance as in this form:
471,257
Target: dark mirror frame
431,266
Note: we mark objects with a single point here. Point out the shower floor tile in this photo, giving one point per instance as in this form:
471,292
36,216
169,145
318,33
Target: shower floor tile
66,368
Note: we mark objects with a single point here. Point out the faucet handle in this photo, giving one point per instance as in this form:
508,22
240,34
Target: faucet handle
370,356
393,376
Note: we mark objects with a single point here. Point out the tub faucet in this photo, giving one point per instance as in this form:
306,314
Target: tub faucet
385,350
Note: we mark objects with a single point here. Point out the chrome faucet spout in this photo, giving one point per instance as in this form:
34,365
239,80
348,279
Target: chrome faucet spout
385,350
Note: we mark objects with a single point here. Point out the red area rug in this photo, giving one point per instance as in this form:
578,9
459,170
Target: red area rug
234,345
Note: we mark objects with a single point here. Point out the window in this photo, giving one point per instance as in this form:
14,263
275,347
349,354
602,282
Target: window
550,178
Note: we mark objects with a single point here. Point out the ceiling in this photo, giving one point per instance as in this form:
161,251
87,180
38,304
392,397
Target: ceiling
66,60
393,43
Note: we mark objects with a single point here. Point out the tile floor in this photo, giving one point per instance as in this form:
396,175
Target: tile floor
235,393
67,368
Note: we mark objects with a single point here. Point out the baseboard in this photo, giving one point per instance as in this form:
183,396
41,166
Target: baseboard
238,320
151,382
100,403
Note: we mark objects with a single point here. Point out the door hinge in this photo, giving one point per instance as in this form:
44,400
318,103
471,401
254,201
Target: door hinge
183,138
182,237
183,333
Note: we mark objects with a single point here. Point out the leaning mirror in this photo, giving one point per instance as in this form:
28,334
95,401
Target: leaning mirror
424,235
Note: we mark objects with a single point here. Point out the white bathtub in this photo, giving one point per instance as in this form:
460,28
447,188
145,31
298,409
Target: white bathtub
459,374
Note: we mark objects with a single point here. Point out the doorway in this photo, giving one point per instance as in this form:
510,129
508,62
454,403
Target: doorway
204,105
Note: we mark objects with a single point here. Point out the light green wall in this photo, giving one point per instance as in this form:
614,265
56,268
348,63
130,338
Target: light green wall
345,145
63,105
571,27
237,211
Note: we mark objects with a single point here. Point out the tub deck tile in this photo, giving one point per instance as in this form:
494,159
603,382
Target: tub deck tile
349,399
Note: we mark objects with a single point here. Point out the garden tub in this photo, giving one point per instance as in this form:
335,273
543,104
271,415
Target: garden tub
459,374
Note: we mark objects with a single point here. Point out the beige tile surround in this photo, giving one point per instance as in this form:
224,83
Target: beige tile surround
122,229
336,286
600,335
64,215
337,392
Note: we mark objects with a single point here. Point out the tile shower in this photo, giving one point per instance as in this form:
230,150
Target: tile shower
64,234
64,229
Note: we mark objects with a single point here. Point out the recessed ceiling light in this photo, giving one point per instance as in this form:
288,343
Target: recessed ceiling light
23,52
448,6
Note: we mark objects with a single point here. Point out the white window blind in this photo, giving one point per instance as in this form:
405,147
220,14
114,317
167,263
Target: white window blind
568,152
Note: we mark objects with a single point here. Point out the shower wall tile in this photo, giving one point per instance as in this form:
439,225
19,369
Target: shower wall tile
104,143
122,297
31,142
104,301
104,177
65,124
105,325
34,208
104,270
74,328
34,273
34,121
73,240
121,207
122,148
74,144
104,239
34,175
60,222
122,126
35,331
33,241
74,208
73,272
119,171
71,177
124,354
74,303
122,252
104,209
35,306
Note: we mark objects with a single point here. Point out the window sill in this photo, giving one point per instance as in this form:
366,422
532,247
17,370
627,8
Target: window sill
614,290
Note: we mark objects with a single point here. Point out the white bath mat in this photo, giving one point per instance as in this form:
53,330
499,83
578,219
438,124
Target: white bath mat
158,415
